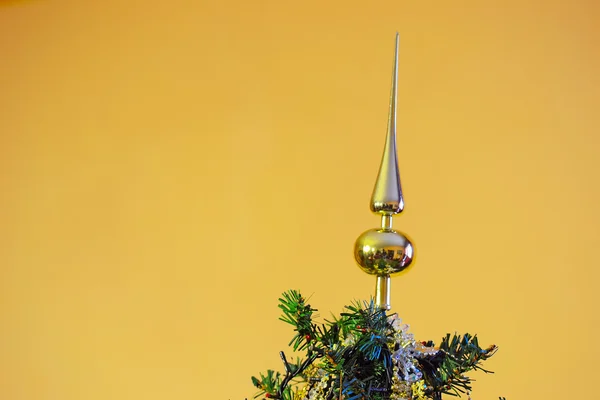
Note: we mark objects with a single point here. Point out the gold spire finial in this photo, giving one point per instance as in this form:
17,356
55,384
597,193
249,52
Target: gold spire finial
387,193
385,251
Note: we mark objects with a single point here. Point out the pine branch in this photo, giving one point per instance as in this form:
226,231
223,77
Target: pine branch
291,373
360,355
298,314
445,372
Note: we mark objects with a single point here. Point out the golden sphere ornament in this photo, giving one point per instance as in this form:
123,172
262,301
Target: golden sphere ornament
383,252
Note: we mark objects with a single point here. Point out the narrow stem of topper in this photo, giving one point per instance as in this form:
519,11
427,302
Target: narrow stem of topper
383,292
386,222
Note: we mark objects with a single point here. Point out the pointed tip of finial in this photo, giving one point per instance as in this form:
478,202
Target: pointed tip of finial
387,196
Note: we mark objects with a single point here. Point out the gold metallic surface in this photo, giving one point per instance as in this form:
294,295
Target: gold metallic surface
384,252
383,292
387,194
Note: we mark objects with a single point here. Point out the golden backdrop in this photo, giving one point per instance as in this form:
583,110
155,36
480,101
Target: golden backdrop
168,168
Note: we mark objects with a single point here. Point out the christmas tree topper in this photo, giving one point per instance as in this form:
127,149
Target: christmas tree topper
384,251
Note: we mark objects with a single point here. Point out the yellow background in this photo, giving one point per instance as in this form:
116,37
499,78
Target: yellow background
168,168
